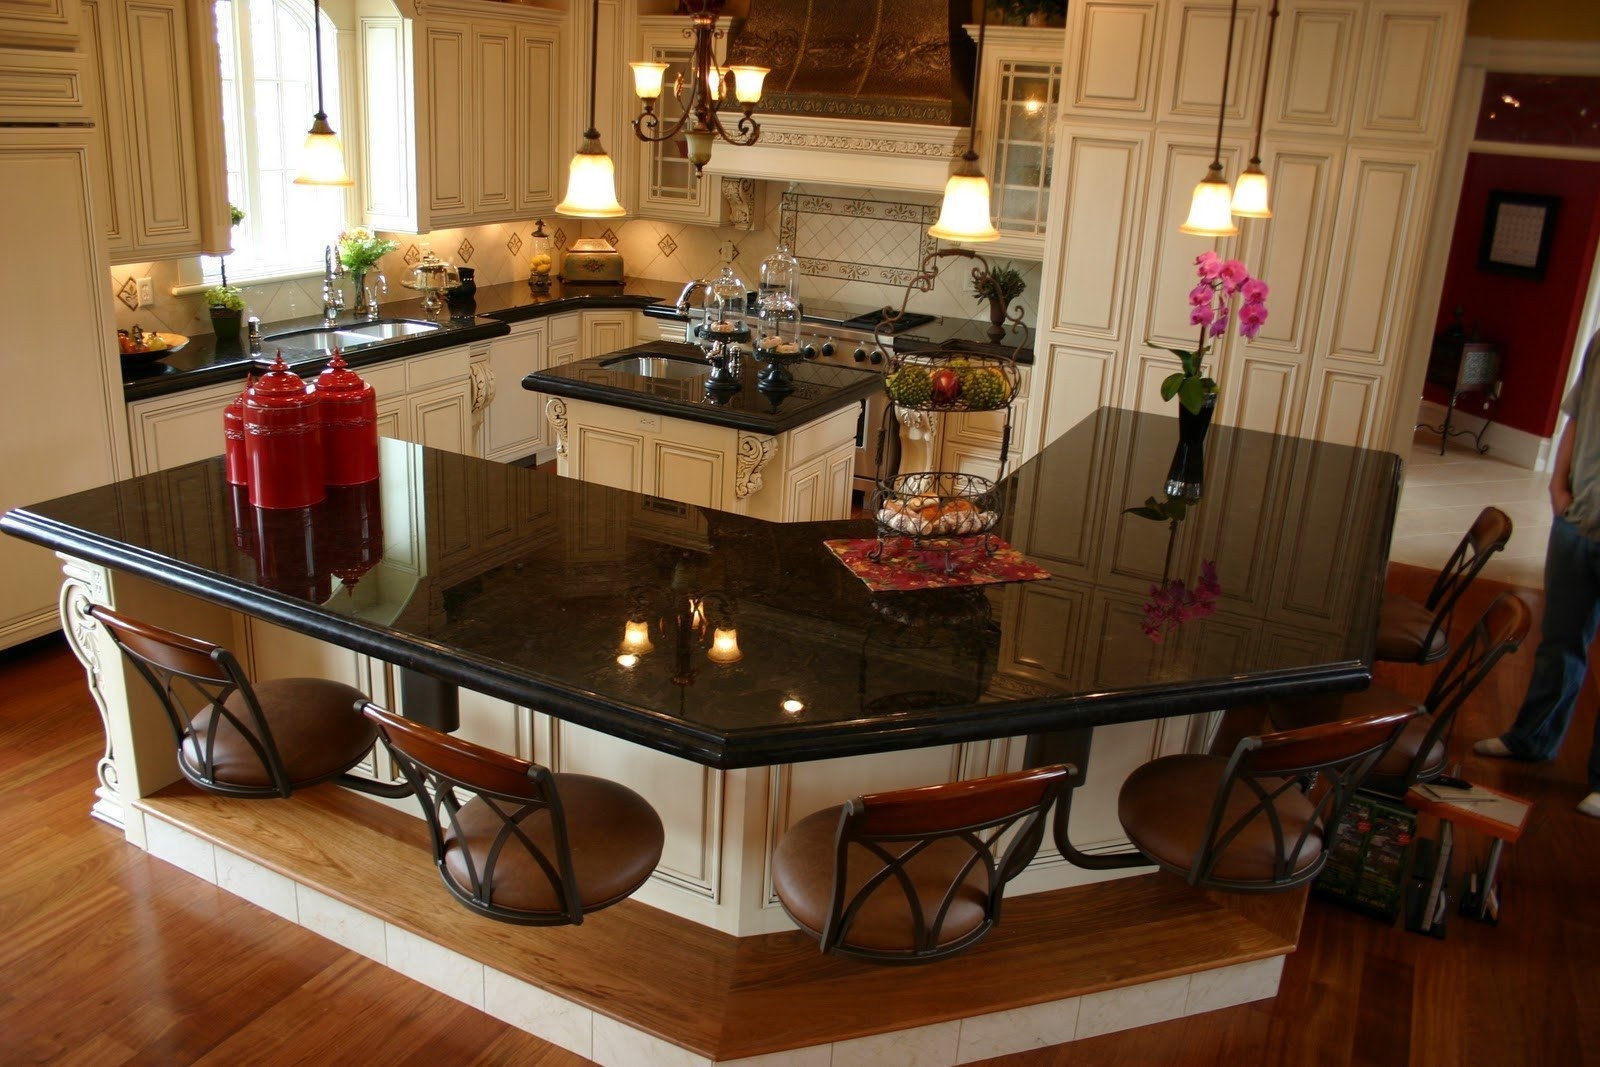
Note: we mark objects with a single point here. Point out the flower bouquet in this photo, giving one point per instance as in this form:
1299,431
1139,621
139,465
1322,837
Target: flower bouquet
360,249
1210,303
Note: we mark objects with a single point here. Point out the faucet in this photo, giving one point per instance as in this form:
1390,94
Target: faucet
368,300
253,334
332,295
682,305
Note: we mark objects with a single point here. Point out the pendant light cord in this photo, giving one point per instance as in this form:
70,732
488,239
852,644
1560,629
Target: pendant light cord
594,60
1266,71
316,33
977,74
1227,69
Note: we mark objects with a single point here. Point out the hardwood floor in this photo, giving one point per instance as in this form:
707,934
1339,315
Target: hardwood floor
110,956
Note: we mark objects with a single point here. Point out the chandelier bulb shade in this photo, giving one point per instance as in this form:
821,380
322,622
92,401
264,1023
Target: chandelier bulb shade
1250,193
702,94
1209,214
591,176
322,158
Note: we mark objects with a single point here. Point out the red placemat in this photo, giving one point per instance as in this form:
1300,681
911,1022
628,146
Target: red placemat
904,566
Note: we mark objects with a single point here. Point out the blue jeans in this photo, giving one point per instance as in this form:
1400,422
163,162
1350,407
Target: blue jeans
1571,615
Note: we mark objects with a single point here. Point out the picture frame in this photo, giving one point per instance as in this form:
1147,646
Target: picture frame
1517,232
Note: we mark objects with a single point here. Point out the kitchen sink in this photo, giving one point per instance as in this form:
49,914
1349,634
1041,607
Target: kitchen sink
327,338
659,365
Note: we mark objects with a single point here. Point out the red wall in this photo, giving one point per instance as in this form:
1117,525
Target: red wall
1534,322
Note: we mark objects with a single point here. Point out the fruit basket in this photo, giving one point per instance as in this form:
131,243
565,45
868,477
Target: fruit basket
938,381
936,510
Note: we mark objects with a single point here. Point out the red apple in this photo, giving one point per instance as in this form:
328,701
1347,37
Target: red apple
946,385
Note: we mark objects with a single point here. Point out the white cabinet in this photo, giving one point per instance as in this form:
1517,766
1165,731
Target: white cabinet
605,331
153,82
169,431
1018,107
514,425
53,25
63,411
482,81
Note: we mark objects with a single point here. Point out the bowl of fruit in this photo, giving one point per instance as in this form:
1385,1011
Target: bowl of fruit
951,383
140,346
937,504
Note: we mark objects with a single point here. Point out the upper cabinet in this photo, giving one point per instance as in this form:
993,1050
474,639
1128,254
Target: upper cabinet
40,24
154,85
1019,97
481,83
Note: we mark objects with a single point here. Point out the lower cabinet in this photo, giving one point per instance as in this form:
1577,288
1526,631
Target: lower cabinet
513,424
427,399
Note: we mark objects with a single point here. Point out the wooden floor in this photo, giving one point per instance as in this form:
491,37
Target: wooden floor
110,956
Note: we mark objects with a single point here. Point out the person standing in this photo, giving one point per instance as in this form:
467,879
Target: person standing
1571,590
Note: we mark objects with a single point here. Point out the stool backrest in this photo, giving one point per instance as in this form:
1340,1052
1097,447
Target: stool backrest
514,790
1327,762
1488,534
888,831
190,675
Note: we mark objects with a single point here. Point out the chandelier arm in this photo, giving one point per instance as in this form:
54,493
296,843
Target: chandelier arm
648,119
1266,71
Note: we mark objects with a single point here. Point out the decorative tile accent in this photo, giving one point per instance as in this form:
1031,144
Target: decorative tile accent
464,251
515,244
884,241
559,238
610,236
667,245
413,253
128,293
733,252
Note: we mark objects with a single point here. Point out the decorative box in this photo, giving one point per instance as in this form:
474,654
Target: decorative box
592,261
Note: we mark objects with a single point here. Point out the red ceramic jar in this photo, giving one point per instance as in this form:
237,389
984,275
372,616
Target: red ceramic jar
282,440
233,439
349,410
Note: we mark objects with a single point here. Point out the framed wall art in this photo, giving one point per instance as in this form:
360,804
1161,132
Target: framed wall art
1517,231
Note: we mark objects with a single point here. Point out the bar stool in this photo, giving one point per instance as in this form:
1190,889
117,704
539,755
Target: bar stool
1418,754
1409,632
240,739
913,875
531,846
1254,822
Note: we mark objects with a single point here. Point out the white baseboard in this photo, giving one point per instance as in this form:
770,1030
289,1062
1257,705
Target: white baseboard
1506,443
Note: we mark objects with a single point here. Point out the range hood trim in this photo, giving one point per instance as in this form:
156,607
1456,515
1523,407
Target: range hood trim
853,153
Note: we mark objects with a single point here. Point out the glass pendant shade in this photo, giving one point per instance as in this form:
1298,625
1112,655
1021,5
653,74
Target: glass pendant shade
699,142
322,159
591,184
964,214
1250,194
647,79
1209,214
724,646
747,82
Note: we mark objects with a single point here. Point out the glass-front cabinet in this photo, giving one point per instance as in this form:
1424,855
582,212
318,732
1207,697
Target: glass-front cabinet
667,186
1019,101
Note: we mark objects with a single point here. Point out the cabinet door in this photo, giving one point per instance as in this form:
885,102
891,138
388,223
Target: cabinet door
605,331
173,430
52,24
102,45
1021,97
445,93
533,119
514,424
493,163
442,418
155,63
668,187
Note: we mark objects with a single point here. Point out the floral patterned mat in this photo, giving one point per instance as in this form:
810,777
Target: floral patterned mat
904,566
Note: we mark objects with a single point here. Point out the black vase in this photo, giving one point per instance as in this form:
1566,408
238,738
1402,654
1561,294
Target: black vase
1186,476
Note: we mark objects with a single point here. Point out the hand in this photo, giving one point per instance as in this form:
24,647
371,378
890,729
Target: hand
1560,499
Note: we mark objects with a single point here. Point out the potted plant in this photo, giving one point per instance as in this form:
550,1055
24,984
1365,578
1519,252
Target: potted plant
1034,12
1000,286
1210,308
226,301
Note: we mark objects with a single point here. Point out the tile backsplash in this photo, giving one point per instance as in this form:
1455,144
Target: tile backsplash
856,246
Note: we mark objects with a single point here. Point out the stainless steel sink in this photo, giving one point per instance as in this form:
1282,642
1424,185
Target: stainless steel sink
659,365
327,338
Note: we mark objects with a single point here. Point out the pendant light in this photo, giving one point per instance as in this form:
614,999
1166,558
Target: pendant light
592,177
1209,214
964,213
1250,198
322,159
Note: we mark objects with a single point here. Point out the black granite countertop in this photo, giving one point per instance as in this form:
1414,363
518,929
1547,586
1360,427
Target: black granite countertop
532,609
818,389
207,361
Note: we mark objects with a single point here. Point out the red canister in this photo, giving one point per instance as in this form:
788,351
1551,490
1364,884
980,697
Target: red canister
233,438
349,425
282,440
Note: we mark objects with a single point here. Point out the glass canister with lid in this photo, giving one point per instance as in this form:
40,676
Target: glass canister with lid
726,300
780,278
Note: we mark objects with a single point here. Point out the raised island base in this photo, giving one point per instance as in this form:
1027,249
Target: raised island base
634,985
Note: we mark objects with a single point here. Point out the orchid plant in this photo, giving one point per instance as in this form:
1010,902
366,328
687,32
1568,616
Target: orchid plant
1210,304
1174,601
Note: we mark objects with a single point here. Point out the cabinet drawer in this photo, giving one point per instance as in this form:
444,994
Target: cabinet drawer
563,328
436,368
41,87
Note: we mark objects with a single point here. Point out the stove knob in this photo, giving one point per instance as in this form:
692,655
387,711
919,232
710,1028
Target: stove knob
810,351
877,356
861,355
827,348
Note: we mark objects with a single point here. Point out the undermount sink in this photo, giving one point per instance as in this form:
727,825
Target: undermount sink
659,365
327,338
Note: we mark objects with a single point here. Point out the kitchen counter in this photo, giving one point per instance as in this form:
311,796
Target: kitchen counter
819,389
206,361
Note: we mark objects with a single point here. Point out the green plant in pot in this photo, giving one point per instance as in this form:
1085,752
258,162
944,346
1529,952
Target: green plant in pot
999,286
226,301
1034,12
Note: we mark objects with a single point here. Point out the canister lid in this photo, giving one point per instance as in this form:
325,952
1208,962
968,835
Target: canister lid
279,387
338,380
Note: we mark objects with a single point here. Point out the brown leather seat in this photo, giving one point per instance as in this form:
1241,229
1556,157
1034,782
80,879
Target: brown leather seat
1248,822
1418,754
264,739
1409,632
530,846
913,875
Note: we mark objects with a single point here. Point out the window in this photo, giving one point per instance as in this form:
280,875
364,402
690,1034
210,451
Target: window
269,93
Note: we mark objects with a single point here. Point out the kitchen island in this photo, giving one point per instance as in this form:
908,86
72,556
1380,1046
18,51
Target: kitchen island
651,420
521,588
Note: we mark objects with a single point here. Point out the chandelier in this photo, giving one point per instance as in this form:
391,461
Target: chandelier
702,95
